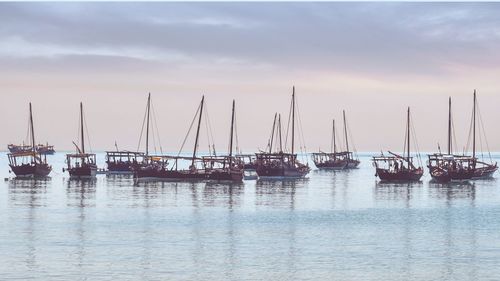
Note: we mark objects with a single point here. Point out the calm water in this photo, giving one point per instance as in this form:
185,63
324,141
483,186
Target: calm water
333,225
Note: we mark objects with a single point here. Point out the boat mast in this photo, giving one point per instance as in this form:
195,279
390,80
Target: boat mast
408,141
345,132
279,131
474,127
450,148
272,134
198,130
334,146
32,131
148,109
231,138
293,120
81,127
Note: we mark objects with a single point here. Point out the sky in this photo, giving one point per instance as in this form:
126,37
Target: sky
371,59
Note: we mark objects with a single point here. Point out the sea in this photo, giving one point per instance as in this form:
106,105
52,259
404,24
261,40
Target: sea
333,225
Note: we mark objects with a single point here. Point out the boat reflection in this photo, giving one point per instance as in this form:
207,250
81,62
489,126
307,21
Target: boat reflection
278,193
225,194
28,191
397,191
81,192
453,190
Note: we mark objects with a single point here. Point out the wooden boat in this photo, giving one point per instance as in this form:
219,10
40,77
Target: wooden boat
481,169
450,167
281,164
337,160
218,168
398,167
333,160
124,161
81,165
29,163
45,149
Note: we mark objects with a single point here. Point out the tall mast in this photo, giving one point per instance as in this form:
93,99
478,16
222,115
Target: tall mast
148,109
231,137
334,145
408,141
293,119
279,131
32,131
474,127
198,130
81,127
272,134
450,148
345,132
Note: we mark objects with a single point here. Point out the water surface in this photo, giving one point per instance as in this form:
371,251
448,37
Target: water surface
334,225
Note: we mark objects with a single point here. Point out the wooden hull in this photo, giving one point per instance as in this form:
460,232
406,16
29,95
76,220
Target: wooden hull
484,172
352,164
279,173
122,168
402,175
187,175
443,175
331,165
31,170
89,171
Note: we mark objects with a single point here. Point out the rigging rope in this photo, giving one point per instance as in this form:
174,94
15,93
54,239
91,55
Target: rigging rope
189,130
142,128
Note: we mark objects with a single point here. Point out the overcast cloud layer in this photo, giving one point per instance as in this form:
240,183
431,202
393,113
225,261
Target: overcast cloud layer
373,59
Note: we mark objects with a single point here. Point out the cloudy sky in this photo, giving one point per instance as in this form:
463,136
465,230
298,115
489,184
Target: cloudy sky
372,59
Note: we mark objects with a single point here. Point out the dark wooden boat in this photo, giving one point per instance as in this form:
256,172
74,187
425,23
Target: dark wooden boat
29,163
217,168
44,149
482,170
450,167
333,160
125,161
396,167
81,165
281,164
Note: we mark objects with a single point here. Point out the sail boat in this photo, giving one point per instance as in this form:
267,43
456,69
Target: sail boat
481,169
29,163
450,167
398,167
332,160
212,167
281,164
125,161
81,164
352,162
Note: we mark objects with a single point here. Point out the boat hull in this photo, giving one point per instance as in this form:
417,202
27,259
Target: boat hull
331,165
31,170
187,175
403,175
484,172
83,172
279,173
352,164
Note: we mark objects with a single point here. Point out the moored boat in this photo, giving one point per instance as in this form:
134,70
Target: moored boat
81,165
449,167
29,163
399,168
217,168
281,164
